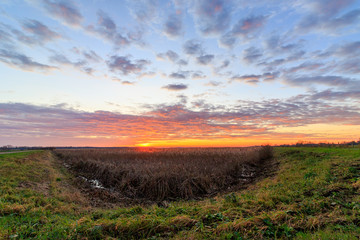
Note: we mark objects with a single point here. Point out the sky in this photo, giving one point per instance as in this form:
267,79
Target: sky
179,73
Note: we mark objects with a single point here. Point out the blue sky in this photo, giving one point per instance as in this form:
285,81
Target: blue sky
179,73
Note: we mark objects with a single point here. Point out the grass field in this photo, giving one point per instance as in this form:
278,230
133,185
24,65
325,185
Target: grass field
315,194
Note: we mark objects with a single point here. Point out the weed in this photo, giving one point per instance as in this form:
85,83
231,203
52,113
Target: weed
232,198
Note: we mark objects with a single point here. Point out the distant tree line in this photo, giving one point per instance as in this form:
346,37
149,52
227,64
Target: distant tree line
23,148
323,144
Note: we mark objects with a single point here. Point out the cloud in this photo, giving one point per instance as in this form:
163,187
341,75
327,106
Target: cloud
349,49
336,81
180,74
185,74
336,95
254,79
228,40
91,56
270,76
106,22
248,25
144,11
193,47
252,54
271,63
182,62
328,8
225,64
107,29
344,20
81,65
40,34
122,82
351,66
243,28
172,122
175,87
173,26
250,79
60,58
280,45
125,66
22,61
213,17
314,22
40,31
306,66
213,84
127,83
205,59
198,75
171,55
63,10
5,36
324,16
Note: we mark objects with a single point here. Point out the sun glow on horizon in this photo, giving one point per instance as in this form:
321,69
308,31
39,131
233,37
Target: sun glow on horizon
143,145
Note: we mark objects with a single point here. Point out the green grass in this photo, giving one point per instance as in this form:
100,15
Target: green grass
314,195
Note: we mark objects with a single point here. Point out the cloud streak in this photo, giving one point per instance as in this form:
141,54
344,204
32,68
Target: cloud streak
175,87
175,122
212,17
244,28
64,11
22,61
125,66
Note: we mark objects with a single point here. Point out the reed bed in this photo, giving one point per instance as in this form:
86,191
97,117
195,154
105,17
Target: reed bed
167,174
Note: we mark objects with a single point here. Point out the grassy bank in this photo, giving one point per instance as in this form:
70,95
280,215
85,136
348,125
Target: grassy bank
314,195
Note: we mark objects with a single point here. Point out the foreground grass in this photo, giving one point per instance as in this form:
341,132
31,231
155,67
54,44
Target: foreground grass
314,195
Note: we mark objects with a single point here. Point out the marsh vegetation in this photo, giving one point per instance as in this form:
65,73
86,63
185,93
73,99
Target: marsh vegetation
168,174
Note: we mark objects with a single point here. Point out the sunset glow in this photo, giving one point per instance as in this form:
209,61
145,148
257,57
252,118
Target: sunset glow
179,73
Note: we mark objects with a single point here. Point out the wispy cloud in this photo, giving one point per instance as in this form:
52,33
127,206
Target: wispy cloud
193,47
324,16
205,59
252,54
180,74
243,28
213,17
81,65
64,10
22,61
173,26
254,79
175,87
40,31
161,122
336,81
144,11
125,66
336,95
107,29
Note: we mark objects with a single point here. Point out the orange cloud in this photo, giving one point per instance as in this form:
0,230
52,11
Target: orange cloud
176,125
